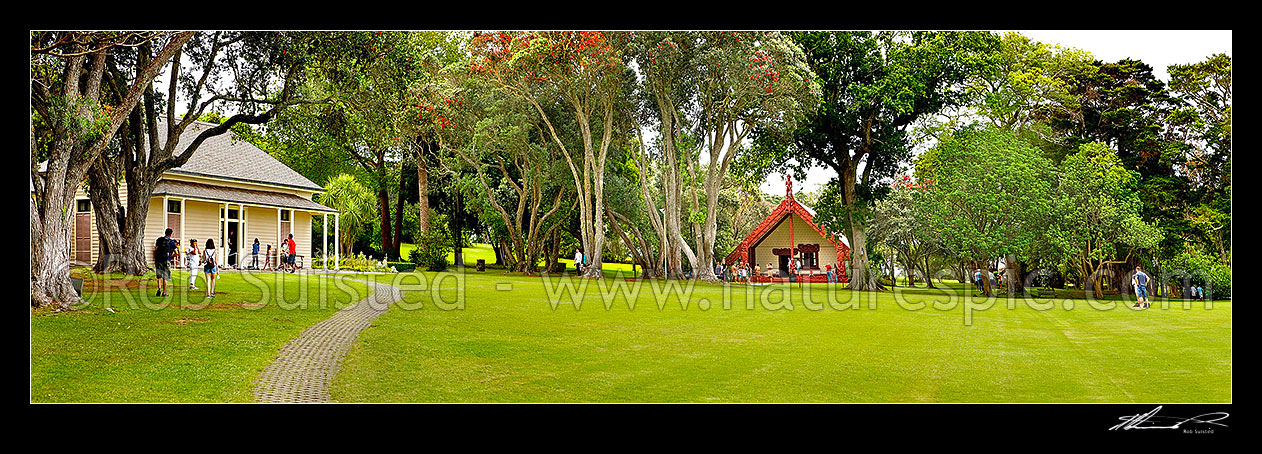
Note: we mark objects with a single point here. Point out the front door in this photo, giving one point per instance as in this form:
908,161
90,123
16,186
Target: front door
232,244
784,265
83,237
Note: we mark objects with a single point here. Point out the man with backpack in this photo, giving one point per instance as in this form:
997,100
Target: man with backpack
163,251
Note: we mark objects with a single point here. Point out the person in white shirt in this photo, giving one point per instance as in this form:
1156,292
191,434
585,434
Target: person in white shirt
193,259
578,261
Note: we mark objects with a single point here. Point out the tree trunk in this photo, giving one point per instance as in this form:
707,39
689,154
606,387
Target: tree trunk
398,224
861,278
1012,273
383,204
422,187
456,232
50,255
928,274
984,266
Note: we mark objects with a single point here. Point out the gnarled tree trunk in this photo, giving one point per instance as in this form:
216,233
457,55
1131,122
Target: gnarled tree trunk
861,278
1012,274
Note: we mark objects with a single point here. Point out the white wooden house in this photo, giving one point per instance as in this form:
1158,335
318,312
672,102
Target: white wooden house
230,191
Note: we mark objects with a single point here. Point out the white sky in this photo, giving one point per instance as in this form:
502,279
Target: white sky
1157,48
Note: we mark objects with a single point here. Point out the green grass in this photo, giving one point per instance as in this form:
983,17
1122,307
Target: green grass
512,346
470,254
508,344
192,349
485,252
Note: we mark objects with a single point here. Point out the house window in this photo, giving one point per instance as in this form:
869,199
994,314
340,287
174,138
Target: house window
173,206
810,260
83,206
232,214
284,215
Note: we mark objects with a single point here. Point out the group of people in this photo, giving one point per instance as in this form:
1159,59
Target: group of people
580,261
996,279
167,251
740,271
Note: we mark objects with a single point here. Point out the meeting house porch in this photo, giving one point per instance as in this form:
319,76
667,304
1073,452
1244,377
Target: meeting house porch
789,233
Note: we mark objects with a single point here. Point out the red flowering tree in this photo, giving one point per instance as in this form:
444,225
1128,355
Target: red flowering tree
585,71
523,197
718,86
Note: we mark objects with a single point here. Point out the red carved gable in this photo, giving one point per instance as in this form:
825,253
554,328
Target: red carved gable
789,206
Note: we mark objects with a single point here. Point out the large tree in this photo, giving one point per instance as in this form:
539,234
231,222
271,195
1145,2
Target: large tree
252,73
721,86
371,114
991,197
875,85
70,128
1098,209
900,222
520,177
1029,81
435,51
585,71
1202,129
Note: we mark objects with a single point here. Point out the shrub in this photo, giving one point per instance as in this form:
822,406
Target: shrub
431,251
363,263
403,267
1201,269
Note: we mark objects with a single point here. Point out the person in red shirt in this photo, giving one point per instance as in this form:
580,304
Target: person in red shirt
293,252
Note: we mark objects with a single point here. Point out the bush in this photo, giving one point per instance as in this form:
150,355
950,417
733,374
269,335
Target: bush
431,251
402,267
1201,269
361,262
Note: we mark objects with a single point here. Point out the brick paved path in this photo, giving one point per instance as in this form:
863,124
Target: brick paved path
305,367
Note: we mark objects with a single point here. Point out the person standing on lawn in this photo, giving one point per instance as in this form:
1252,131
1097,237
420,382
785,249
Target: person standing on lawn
211,267
162,252
192,258
578,261
1140,282
293,252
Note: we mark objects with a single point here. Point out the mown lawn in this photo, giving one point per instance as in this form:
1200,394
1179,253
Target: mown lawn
485,252
185,348
508,344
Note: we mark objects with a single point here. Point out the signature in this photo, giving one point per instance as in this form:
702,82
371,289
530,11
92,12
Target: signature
1151,420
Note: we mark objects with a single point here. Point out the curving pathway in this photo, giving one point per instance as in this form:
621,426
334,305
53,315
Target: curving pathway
305,367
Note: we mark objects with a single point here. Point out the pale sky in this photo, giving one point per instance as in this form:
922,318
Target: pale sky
1157,48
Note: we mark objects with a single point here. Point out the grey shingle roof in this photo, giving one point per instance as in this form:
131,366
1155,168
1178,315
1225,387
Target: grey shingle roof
226,156
236,195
